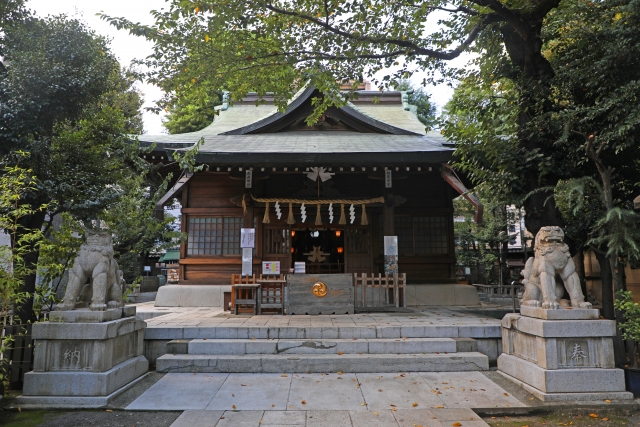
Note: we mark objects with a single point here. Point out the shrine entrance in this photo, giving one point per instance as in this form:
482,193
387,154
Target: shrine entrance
322,250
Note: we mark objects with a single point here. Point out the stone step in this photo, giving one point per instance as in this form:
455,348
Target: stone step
322,363
420,330
323,346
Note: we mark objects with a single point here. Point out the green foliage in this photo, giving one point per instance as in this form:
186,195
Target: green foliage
630,310
46,77
419,98
65,100
481,120
480,245
57,253
133,225
15,183
279,47
193,111
187,158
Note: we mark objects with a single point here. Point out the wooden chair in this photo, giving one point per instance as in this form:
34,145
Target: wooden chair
244,294
272,293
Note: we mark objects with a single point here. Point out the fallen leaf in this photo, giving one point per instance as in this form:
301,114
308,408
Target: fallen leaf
605,419
456,424
273,405
233,406
233,395
593,415
440,406
375,413
304,402
340,373
414,404
608,401
243,385
506,394
283,375
108,410
340,353
362,404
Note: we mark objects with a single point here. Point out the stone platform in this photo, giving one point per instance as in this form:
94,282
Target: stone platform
209,340
86,360
561,355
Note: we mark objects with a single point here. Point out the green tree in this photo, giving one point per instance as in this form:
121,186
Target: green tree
64,100
192,111
591,119
16,182
419,98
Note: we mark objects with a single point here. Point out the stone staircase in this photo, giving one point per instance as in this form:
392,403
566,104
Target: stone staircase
355,349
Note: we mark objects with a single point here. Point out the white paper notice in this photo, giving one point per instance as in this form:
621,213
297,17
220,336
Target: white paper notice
247,261
247,237
387,179
248,178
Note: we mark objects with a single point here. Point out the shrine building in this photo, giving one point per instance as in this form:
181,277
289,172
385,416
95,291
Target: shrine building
322,196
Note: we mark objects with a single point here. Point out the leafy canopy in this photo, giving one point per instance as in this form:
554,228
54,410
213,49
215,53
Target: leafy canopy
280,46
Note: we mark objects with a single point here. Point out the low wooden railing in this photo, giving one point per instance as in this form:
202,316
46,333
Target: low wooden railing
379,290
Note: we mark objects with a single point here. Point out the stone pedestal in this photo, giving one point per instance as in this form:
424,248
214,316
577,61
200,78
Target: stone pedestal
85,358
561,355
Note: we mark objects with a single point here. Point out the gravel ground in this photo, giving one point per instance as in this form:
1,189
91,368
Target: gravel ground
572,418
102,418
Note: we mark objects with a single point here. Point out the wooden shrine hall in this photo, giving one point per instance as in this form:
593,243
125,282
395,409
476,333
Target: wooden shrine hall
320,198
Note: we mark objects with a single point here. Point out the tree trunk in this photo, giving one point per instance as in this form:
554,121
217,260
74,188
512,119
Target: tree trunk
607,286
578,261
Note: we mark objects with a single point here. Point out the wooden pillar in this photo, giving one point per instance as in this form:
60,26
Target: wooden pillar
184,227
248,215
388,224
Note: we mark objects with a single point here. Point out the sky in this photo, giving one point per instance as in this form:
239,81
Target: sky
127,47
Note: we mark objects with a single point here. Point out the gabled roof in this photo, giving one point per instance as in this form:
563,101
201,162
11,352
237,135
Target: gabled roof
374,123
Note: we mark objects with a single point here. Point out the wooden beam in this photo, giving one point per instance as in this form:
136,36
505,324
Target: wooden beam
173,191
450,176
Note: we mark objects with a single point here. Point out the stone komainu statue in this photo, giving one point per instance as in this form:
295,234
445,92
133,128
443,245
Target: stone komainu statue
95,261
551,258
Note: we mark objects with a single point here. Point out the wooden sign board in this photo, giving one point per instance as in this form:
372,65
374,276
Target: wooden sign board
306,295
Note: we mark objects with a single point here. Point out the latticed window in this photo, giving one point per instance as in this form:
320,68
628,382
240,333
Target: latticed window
214,236
430,235
420,235
404,231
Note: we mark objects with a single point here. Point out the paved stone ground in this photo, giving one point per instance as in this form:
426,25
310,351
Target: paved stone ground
335,400
158,317
380,418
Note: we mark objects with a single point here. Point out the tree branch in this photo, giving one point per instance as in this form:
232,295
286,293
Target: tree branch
417,50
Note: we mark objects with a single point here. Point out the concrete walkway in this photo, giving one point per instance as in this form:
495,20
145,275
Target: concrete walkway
338,399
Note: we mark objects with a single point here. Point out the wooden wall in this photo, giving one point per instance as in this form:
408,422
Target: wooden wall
209,194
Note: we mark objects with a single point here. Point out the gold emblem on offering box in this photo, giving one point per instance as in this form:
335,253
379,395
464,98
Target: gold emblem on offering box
319,289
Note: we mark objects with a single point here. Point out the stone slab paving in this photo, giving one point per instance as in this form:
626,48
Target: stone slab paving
338,399
341,418
213,322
